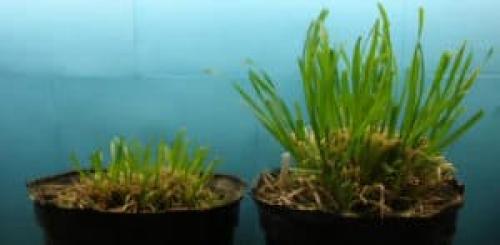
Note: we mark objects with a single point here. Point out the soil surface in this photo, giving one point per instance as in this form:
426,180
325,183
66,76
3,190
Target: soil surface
47,191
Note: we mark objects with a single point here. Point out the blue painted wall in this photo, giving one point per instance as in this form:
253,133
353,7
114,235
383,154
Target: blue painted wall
75,73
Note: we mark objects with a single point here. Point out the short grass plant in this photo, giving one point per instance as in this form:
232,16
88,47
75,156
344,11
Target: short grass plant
372,136
140,178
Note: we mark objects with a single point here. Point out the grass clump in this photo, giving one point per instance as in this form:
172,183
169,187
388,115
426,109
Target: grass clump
139,178
372,139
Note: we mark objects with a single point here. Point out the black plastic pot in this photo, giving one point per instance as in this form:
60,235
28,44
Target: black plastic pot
282,226
78,227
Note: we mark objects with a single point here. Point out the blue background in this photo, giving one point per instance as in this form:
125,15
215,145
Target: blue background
75,73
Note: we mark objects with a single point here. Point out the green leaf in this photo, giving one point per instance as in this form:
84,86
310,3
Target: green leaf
461,130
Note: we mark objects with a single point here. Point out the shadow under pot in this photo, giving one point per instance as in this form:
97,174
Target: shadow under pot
284,225
64,226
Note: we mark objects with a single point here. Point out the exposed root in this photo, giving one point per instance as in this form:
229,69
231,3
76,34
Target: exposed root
306,192
303,192
365,196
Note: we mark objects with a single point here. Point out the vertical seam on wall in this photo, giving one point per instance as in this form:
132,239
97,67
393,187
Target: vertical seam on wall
56,119
134,39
